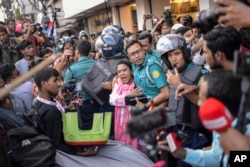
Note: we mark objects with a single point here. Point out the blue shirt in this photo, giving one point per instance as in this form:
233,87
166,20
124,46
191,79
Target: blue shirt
212,157
150,76
78,71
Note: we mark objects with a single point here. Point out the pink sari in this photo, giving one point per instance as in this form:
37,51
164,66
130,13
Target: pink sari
122,115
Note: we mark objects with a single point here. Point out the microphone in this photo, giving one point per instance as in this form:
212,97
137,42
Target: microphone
174,141
215,116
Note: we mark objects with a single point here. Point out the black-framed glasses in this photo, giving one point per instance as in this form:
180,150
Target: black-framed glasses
136,52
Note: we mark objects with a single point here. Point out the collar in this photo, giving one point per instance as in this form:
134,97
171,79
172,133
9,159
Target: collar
82,58
52,103
144,62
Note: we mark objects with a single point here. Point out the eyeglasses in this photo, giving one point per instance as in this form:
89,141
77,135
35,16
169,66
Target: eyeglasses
136,52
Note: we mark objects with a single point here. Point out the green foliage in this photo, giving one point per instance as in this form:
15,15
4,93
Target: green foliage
18,14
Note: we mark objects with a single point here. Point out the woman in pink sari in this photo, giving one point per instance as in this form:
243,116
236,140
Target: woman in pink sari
123,85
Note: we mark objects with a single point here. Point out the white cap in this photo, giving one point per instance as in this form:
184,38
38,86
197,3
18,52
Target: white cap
176,26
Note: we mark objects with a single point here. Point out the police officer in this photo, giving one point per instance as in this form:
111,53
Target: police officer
104,71
173,51
148,74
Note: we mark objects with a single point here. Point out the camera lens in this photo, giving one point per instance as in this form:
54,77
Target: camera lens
206,20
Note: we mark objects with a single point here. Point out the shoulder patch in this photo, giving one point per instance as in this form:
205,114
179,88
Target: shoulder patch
156,74
201,80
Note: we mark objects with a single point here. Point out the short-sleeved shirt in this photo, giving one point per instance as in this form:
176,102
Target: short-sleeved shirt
150,76
159,60
78,71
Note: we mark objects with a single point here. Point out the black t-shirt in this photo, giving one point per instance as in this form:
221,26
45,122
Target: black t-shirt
49,122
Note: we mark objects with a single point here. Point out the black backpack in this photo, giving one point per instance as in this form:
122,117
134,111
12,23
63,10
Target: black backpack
28,148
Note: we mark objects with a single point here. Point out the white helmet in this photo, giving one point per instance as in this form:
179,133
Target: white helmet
170,42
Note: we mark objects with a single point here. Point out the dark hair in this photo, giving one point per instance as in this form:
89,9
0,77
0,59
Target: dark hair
2,23
10,20
3,29
224,39
45,75
127,34
6,70
24,44
34,62
188,20
44,51
83,47
226,87
245,37
130,43
67,42
145,35
182,30
125,62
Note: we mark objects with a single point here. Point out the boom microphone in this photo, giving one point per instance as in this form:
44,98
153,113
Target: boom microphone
215,116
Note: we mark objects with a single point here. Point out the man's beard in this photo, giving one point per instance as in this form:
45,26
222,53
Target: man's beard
216,66
53,94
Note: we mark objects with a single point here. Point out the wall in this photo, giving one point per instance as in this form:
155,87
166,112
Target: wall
72,7
204,5
158,7
126,18
142,7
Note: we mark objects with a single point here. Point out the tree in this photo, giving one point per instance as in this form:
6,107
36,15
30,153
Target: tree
18,14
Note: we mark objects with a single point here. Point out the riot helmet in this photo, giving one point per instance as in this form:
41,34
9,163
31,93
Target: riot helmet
112,46
170,42
113,29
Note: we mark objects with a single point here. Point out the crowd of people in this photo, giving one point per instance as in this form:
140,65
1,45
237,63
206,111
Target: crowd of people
174,66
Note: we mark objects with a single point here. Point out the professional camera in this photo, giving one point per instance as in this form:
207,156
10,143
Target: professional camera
168,15
49,42
207,19
241,63
142,124
13,45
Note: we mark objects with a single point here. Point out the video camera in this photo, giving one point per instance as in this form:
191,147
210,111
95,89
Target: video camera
242,68
241,63
13,46
168,15
207,19
144,122
37,27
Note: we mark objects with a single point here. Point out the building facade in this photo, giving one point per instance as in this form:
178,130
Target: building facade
94,15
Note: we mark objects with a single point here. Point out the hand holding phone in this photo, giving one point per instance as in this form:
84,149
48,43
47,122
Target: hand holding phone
131,99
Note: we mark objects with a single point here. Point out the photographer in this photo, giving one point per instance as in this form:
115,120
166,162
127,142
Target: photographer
165,27
9,52
224,86
32,33
233,13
